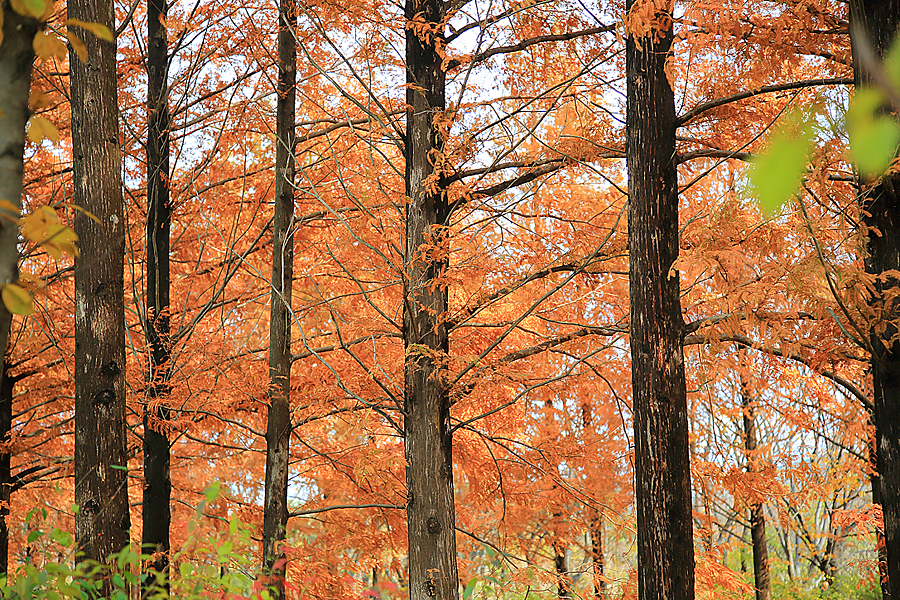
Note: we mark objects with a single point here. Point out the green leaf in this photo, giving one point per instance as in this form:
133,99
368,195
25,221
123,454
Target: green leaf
212,491
470,589
118,467
185,569
34,535
777,173
874,137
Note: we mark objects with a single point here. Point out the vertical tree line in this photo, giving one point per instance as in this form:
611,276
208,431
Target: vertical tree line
662,486
103,520
157,493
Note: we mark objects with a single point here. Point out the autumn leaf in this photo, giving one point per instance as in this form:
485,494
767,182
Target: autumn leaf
98,29
46,45
29,8
78,46
17,300
40,128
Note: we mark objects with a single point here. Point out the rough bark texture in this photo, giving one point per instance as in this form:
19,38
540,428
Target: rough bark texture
878,22
157,515
16,58
662,464
278,429
6,397
757,518
103,521
429,460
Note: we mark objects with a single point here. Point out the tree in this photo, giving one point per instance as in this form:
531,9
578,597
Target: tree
662,464
875,25
278,423
103,520
157,492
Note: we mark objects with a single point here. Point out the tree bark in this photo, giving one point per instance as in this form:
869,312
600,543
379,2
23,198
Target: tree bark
156,506
429,457
877,22
598,559
757,517
6,400
563,581
103,521
16,59
880,547
278,428
662,463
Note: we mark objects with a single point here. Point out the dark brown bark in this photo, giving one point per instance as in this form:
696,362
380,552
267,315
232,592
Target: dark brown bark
428,441
16,59
880,547
598,559
6,397
662,464
563,581
103,520
278,428
757,517
156,506
875,23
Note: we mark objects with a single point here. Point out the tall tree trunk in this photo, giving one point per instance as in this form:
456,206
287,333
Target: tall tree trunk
278,428
429,458
16,59
880,547
563,581
757,518
598,559
662,463
6,401
156,506
102,524
878,21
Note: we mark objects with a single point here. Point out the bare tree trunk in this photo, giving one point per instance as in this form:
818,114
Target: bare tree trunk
156,506
6,401
598,559
278,428
662,462
103,521
16,59
875,23
429,458
757,517
563,581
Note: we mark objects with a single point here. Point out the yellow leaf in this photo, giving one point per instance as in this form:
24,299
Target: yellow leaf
40,128
101,31
29,8
77,45
38,99
47,45
17,300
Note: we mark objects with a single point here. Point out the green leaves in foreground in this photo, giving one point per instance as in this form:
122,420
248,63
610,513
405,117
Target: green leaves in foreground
874,134
777,174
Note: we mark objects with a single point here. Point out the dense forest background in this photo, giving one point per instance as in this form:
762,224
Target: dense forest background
477,299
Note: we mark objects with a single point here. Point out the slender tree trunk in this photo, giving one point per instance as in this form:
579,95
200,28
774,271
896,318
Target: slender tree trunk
429,457
6,398
662,463
757,517
157,478
598,559
880,547
103,521
877,21
16,59
563,581
278,429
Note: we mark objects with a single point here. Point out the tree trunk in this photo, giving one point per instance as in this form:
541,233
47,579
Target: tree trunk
429,458
662,463
878,21
598,559
563,581
880,547
156,505
16,59
103,521
6,400
278,428
757,518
